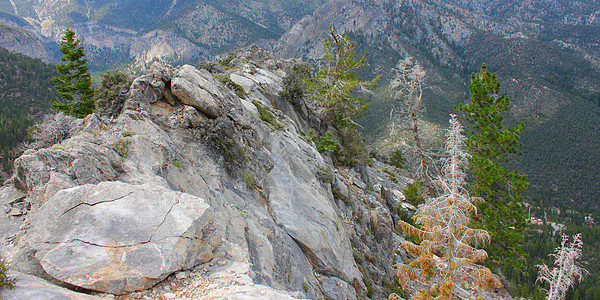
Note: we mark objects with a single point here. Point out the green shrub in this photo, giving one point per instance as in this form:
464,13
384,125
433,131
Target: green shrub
108,95
326,143
325,174
128,133
266,116
5,281
247,176
177,163
414,193
222,136
353,150
239,90
397,159
293,83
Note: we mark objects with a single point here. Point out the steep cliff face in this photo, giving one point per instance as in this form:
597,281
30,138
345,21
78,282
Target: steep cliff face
189,180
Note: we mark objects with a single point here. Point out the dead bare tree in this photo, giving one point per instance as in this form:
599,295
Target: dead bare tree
408,85
447,256
562,276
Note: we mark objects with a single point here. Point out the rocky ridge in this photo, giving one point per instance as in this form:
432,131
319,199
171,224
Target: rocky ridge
187,193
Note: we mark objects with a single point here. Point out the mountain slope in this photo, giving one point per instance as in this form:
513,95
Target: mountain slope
26,92
124,31
548,69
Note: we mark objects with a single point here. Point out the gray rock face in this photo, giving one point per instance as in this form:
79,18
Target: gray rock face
30,287
173,185
116,237
192,95
294,185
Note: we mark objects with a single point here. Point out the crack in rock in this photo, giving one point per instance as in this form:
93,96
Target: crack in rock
94,204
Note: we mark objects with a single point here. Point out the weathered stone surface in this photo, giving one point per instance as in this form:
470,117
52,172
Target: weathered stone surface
204,80
191,94
30,287
116,237
306,211
121,221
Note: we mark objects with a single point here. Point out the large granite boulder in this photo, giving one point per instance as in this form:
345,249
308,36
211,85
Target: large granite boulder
115,237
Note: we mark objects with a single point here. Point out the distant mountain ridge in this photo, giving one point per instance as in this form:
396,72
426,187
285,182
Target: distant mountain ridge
122,31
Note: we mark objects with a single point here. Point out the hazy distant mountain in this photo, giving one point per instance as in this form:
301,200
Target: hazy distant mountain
138,30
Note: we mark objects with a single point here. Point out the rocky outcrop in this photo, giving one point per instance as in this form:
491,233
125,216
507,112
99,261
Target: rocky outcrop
94,236
189,180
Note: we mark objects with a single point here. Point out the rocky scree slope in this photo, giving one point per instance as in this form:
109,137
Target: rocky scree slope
188,180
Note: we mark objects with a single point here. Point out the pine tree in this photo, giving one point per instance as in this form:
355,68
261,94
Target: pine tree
447,256
74,80
491,145
334,89
336,80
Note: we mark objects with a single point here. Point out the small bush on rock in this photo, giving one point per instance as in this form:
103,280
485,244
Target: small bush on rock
239,90
5,281
293,83
109,96
222,136
266,116
397,159
414,193
326,143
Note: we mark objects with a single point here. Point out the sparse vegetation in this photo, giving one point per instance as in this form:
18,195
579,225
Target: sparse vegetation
177,163
122,146
127,133
239,90
391,175
266,116
6,282
249,180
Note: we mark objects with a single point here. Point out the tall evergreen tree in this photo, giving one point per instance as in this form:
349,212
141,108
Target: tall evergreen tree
74,80
490,146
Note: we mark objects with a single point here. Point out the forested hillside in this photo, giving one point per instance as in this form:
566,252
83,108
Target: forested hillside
26,91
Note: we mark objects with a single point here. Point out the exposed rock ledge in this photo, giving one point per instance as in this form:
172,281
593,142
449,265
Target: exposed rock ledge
188,181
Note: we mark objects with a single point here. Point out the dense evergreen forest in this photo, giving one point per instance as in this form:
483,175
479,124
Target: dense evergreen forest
26,92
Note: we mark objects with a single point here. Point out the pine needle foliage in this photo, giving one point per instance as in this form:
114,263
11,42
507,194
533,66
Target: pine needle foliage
336,82
74,81
562,276
491,146
447,256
